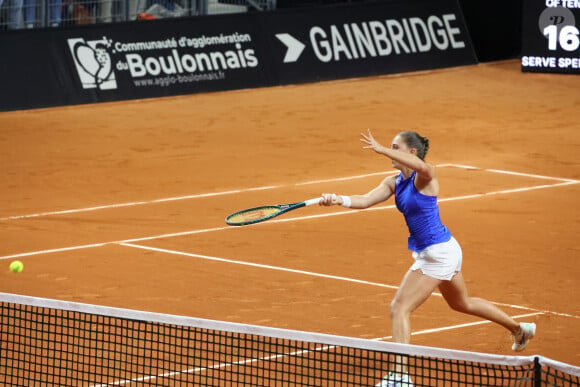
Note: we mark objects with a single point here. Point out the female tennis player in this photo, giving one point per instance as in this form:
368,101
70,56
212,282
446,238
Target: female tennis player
437,254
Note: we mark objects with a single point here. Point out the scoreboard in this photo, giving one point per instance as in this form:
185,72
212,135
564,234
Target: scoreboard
550,36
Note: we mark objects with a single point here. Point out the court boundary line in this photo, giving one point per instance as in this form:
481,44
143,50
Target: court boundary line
280,220
268,187
314,274
563,182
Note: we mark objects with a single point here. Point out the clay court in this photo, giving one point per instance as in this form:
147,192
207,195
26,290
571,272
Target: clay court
123,204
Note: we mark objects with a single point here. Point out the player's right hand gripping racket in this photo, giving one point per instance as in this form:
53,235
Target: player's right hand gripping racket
262,213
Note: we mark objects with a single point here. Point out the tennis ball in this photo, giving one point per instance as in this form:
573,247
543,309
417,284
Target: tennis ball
16,267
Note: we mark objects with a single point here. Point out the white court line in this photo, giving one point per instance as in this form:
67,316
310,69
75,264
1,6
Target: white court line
264,188
529,175
349,177
139,203
459,326
216,366
313,274
63,249
59,250
440,200
258,265
279,220
501,171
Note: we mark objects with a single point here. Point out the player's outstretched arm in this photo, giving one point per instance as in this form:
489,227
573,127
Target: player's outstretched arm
377,195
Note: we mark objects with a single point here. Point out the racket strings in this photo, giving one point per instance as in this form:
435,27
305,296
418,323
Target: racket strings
253,214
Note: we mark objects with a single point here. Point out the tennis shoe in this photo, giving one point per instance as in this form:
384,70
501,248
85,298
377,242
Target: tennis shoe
522,338
395,380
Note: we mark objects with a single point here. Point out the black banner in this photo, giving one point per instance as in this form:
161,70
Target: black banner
551,41
201,54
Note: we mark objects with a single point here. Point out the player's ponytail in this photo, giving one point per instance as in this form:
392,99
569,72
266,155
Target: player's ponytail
414,140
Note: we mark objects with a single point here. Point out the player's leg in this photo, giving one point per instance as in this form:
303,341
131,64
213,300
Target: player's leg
455,293
413,291
415,288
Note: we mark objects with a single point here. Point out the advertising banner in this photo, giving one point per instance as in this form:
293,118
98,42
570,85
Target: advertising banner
224,52
550,41
379,38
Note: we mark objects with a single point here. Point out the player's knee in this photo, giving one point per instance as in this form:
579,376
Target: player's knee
396,309
460,305
392,308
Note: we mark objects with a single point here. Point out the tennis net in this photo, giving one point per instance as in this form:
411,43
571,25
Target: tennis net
51,342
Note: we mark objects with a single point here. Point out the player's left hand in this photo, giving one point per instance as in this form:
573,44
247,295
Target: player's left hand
368,139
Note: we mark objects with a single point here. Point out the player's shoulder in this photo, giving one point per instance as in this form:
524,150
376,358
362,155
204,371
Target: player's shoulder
426,172
390,181
427,182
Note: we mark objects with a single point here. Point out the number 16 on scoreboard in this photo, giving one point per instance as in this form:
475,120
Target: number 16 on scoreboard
558,26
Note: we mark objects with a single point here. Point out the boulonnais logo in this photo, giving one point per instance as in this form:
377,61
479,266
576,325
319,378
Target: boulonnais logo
175,60
93,63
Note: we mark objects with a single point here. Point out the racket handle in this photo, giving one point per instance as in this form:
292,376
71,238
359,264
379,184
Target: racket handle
310,202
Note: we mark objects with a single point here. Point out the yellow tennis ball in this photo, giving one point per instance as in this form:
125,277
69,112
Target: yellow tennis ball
16,267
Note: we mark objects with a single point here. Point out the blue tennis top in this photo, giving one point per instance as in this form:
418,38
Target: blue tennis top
421,215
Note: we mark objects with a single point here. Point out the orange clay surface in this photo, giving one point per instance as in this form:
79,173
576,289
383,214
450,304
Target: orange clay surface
214,154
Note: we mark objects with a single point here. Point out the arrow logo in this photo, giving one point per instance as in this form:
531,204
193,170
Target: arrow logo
295,47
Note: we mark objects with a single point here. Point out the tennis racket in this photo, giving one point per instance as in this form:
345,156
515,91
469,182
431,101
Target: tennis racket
262,213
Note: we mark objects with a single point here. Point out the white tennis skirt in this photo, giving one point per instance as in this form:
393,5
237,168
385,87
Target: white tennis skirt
441,261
